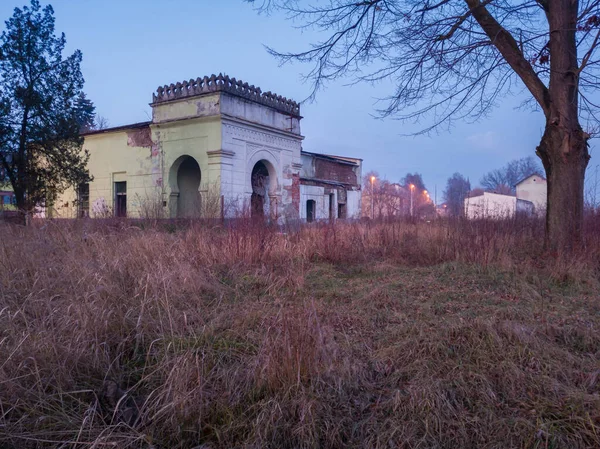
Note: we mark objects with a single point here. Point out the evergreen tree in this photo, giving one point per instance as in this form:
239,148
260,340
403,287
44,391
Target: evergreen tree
85,112
40,147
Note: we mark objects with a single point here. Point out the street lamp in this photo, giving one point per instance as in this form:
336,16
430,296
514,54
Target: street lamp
412,189
372,198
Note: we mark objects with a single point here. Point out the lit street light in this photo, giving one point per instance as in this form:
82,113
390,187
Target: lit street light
412,189
372,198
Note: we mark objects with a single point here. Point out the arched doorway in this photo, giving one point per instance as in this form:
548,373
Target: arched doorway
187,176
262,180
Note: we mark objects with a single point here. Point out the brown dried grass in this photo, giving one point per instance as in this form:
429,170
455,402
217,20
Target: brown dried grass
375,335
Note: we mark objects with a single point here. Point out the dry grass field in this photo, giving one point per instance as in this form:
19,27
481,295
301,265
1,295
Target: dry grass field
358,335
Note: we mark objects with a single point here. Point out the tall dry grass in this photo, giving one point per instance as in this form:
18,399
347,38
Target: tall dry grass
379,335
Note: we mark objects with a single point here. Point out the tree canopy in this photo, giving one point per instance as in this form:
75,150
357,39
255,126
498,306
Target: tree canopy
457,189
414,178
40,146
506,178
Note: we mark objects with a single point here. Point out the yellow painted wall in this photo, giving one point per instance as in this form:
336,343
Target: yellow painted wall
195,138
146,169
185,108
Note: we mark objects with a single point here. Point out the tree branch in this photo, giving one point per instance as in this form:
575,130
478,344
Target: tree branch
508,47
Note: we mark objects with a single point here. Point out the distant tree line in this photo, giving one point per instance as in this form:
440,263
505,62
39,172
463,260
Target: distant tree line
382,198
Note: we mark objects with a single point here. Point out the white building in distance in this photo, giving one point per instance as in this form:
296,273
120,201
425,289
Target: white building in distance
530,200
534,188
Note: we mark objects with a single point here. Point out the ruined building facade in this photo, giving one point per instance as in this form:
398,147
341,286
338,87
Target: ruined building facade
215,147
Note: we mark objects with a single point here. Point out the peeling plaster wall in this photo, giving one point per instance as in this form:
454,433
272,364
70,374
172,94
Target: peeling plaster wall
245,144
321,199
227,135
124,155
353,199
322,177
259,114
186,108
196,138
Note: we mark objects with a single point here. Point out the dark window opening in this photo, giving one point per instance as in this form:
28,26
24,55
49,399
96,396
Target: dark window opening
260,188
121,199
331,206
310,210
83,200
341,211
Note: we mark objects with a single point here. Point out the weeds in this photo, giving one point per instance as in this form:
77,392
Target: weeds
376,335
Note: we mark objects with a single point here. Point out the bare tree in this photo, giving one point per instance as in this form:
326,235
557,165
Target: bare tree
452,60
509,175
101,122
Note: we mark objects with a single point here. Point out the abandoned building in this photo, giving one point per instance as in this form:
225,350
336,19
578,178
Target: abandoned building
215,147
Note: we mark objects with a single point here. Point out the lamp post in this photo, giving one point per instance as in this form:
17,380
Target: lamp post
412,189
372,198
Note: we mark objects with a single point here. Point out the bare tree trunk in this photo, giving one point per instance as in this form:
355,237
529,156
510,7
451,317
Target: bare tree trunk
563,149
21,206
565,158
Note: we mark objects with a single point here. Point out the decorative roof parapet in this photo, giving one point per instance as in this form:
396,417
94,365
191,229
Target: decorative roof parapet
222,83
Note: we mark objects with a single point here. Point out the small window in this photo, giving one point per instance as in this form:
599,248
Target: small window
83,200
121,199
6,200
310,210
341,211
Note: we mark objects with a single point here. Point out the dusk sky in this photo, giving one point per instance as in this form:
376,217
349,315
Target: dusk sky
130,47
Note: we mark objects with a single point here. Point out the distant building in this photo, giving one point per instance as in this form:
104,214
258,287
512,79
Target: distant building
534,188
529,200
215,146
496,206
329,186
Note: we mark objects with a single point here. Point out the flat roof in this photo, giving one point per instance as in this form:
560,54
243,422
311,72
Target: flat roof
343,159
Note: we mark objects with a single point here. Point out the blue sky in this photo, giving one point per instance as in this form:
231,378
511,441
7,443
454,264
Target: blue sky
130,47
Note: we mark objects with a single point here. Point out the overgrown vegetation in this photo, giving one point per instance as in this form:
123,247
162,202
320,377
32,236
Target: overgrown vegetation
376,335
